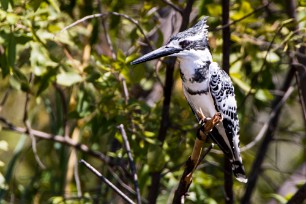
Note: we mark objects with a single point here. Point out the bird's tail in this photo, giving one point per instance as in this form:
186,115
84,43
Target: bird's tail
233,154
238,171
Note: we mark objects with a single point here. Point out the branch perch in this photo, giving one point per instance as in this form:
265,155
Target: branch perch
195,158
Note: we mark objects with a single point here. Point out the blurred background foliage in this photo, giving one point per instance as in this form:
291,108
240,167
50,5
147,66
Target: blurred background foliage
77,84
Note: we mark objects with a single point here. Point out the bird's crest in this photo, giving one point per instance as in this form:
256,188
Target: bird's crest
198,31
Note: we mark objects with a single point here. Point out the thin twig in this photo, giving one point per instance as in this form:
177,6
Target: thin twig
56,138
172,5
206,152
107,182
253,80
4,99
266,125
125,89
77,177
131,161
242,18
267,139
28,127
108,40
132,20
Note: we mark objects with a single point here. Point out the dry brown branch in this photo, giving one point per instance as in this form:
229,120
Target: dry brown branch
195,158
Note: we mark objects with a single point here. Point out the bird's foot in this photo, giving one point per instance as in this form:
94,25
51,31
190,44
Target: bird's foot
202,118
207,124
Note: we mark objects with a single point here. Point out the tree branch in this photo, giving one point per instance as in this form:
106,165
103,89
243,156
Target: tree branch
195,158
226,37
164,123
57,138
28,127
268,137
131,161
107,182
102,15
299,196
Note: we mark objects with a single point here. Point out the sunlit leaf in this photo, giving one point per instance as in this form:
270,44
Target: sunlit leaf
263,95
68,78
3,145
278,198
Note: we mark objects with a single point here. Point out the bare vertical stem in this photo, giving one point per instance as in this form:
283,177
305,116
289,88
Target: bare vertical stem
165,120
131,161
268,137
226,37
28,126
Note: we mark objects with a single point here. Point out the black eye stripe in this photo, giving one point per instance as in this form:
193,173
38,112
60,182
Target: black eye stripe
184,43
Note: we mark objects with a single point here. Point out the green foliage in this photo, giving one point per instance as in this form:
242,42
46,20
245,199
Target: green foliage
77,89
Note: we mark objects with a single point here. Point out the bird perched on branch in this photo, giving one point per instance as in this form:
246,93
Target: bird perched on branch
207,88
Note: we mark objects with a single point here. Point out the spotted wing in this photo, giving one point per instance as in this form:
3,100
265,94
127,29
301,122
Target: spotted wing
222,91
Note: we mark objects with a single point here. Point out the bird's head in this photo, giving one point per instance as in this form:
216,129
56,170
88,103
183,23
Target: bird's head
182,44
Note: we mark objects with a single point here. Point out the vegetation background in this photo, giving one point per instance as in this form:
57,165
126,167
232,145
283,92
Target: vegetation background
65,93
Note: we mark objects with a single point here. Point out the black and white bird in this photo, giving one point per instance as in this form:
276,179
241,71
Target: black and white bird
207,88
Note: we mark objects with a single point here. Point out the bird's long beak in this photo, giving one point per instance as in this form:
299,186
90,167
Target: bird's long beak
160,52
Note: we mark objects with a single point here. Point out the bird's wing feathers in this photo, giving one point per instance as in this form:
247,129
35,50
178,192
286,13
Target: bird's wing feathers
222,91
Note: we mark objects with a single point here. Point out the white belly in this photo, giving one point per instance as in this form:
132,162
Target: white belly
201,102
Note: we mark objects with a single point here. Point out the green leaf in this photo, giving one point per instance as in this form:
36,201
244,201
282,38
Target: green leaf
55,6
272,57
68,78
4,4
263,95
12,18
236,77
149,134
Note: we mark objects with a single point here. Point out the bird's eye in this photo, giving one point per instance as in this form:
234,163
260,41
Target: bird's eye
184,43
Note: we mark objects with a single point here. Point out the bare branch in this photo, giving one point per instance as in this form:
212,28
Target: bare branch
125,89
56,138
195,158
266,125
254,78
28,127
267,138
107,182
132,20
77,178
299,196
226,37
4,99
242,18
165,119
172,5
131,161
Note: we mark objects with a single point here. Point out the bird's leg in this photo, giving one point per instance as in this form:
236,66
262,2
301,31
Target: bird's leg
207,124
202,118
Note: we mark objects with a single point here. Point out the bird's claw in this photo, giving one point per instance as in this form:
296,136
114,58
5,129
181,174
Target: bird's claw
202,118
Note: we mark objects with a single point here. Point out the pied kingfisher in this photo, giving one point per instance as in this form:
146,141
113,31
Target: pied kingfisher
207,88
